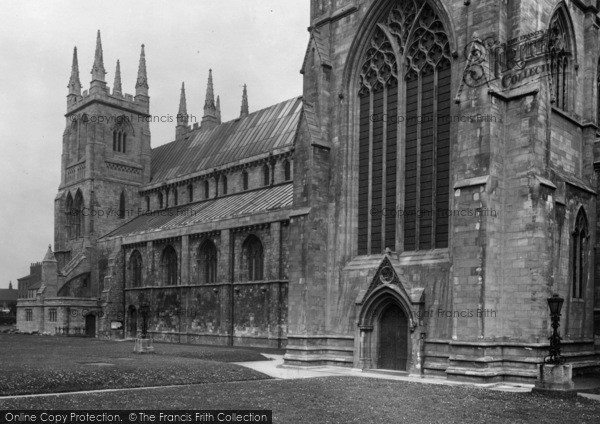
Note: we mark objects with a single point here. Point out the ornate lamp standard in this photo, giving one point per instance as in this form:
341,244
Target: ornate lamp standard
553,375
555,303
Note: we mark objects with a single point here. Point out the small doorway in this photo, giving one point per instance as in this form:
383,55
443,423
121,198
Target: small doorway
393,339
132,322
90,325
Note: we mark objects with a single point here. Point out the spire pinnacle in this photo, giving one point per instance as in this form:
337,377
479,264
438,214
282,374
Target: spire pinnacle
117,85
182,118
49,255
245,110
98,71
210,118
141,85
209,103
218,109
74,82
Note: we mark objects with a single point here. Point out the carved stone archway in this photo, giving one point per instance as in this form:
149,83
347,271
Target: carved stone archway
386,291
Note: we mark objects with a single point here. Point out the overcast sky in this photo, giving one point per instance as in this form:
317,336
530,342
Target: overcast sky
259,42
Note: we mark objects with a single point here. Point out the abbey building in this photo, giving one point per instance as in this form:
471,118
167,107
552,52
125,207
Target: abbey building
363,224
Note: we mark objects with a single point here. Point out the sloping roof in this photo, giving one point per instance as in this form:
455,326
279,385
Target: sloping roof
32,278
8,294
317,40
234,206
259,132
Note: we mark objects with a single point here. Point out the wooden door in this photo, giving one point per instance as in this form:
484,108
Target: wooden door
393,339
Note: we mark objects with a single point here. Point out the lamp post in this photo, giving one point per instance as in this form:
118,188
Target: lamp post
144,314
555,304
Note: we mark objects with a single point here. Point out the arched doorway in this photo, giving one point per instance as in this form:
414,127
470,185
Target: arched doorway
90,325
393,339
132,322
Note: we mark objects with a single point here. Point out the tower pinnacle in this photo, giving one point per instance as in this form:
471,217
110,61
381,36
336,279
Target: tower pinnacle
117,85
141,85
209,103
98,71
245,110
182,117
210,119
74,82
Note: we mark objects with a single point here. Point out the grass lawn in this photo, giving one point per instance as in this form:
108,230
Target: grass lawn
42,364
36,364
340,400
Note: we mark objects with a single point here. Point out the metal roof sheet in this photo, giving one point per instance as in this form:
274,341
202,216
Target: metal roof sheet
233,206
257,133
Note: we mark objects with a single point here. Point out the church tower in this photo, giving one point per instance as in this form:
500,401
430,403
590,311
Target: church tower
105,158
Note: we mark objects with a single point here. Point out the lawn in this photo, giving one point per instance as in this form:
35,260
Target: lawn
204,380
340,400
43,364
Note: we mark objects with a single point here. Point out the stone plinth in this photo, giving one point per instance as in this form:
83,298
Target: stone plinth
143,346
555,379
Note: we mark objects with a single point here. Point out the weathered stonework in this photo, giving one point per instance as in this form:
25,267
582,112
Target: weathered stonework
522,180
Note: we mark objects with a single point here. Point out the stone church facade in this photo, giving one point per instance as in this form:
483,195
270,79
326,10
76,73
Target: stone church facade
412,211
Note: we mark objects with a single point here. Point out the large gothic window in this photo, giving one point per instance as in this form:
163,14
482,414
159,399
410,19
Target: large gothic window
135,269
416,140
169,266
558,47
207,263
253,256
579,242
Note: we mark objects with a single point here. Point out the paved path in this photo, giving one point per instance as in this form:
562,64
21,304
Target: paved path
274,368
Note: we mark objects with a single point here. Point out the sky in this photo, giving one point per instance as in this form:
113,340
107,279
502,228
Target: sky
260,43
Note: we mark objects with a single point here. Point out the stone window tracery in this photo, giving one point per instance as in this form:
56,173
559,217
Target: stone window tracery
415,35
579,248
558,48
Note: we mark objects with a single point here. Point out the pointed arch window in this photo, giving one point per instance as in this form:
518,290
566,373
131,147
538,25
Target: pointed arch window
245,180
558,48
78,207
122,205
287,170
147,203
119,141
579,248
135,269
420,86
169,266
69,216
160,200
253,255
207,263
175,196
266,175
206,189
190,189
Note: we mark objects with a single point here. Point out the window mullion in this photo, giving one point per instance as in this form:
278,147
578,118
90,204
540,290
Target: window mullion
419,119
370,184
